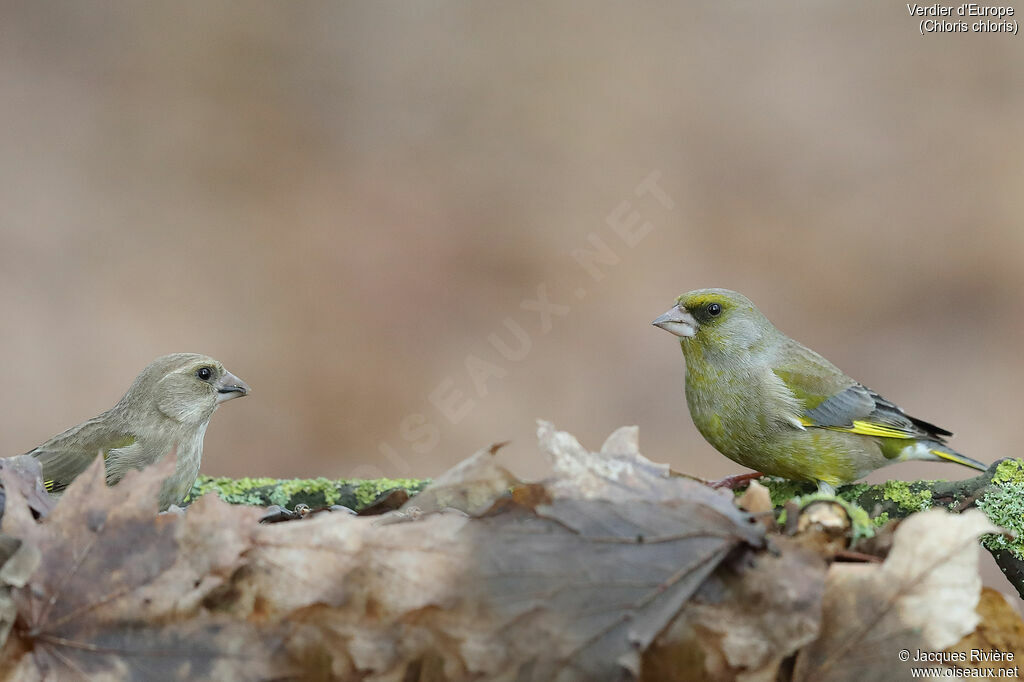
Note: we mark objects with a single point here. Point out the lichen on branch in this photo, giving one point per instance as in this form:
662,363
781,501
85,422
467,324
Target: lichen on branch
998,492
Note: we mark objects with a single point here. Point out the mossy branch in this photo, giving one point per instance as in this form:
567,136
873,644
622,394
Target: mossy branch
999,492
314,492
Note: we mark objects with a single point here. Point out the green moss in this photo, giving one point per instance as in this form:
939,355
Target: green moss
1004,506
1010,471
782,489
852,493
366,491
315,492
286,490
906,497
233,490
881,519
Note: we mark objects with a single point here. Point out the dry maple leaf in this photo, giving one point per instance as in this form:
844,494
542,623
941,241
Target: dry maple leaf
84,612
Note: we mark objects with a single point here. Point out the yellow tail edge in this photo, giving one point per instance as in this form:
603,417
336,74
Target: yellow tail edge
960,459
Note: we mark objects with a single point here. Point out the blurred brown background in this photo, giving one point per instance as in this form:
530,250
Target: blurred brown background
342,201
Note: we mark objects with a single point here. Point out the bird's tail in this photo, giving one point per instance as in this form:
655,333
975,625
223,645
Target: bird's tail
948,455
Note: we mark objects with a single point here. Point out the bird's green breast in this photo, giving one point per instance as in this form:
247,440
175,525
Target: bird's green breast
727,401
729,419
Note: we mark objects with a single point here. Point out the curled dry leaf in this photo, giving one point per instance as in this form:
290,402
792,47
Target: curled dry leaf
756,610
825,526
471,486
923,596
19,479
389,501
756,499
619,473
618,470
25,474
1000,629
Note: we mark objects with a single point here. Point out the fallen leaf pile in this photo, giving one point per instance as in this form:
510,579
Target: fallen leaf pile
610,569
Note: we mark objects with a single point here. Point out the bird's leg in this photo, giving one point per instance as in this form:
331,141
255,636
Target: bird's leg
735,481
826,488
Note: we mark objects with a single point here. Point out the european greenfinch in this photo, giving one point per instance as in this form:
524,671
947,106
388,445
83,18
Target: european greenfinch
775,406
167,409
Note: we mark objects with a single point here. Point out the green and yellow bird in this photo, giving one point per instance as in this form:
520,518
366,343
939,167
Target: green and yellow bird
167,409
773,405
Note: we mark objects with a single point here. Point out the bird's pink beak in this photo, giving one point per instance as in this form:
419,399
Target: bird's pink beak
677,321
229,386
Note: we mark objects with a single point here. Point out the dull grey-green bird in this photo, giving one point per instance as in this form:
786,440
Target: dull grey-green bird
167,409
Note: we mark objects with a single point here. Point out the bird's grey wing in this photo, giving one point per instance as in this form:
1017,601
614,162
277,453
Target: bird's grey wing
67,455
835,401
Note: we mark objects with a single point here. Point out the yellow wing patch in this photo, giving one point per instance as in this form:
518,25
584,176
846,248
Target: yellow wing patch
863,428
48,485
871,429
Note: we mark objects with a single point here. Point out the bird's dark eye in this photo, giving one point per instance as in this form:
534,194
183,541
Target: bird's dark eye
714,310
204,373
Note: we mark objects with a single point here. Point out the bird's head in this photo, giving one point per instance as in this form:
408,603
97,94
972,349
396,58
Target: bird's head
186,387
716,320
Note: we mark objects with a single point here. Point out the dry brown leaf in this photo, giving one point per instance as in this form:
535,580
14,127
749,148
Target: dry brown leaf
471,486
823,526
568,592
921,597
752,613
91,609
1000,629
390,501
25,473
617,470
20,560
573,578
570,587
756,499
619,473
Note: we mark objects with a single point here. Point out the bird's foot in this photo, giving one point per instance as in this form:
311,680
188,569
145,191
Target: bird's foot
735,481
